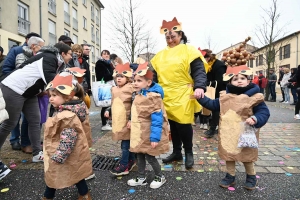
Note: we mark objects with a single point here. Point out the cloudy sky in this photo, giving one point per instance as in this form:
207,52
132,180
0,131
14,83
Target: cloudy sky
227,22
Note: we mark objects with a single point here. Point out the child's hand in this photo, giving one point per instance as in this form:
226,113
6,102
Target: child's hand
250,121
106,114
128,124
154,144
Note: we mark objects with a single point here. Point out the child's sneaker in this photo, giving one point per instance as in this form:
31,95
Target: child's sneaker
38,158
297,116
131,165
120,170
107,127
205,127
157,182
137,181
90,177
201,126
227,181
251,182
4,170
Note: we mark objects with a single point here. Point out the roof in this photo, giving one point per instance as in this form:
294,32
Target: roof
99,2
290,35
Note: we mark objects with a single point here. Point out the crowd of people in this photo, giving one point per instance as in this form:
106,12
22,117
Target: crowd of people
146,106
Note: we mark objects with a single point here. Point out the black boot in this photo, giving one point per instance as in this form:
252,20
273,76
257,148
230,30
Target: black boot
16,146
210,133
189,160
173,157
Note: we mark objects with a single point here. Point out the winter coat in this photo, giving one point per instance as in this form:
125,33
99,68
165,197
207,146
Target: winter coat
120,107
67,158
293,79
1,63
215,75
235,108
179,70
104,70
149,122
3,112
25,55
285,80
33,74
10,61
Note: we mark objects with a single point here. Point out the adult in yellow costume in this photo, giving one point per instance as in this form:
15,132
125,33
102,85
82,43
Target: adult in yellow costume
180,71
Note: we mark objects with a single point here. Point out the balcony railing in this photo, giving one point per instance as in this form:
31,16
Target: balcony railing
52,39
75,1
23,26
93,37
75,24
97,20
67,18
92,16
52,6
97,40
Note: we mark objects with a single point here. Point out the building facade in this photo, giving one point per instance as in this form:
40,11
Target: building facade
78,19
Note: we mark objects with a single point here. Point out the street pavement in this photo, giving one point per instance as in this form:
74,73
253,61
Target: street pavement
278,167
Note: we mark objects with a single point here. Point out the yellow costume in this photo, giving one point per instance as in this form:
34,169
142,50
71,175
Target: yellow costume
173,68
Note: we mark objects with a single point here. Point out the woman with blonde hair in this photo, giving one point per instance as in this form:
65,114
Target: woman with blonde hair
284,84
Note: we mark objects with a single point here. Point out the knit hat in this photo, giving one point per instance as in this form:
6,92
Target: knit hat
29,35
65,39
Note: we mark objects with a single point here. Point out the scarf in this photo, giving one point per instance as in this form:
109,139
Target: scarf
238,90
210,64
80,60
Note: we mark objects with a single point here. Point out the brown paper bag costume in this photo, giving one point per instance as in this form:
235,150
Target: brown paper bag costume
235,109
141,110
79,163
120,107
210,93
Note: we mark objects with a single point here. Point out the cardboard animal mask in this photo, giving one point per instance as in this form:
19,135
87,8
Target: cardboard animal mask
125,70
170,26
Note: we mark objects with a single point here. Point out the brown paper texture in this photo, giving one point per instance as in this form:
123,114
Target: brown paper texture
210,93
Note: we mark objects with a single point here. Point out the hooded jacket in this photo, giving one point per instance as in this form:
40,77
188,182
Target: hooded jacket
67,159
10,62
149,122
235,107
33,74
22,57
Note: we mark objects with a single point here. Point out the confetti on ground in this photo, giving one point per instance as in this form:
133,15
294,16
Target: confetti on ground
210,169
260,189
216,148
206,191
195,153
222,162
131,191
257,176
178,178
119,177
288,174
205,152
201,157
24,161
201,162
200,170
266,153
231,188
287,156
12,166
168,166
5,190
208,158
117,158
281,162
204,138
162,169
290,167
111,150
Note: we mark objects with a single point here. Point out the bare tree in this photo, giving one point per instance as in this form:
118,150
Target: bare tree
269,34
209,43
128,27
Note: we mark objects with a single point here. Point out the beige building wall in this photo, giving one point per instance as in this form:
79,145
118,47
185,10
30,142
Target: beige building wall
52,10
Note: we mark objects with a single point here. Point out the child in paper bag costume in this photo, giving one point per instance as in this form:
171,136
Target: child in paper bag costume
67,159
149,126
241,102
120,108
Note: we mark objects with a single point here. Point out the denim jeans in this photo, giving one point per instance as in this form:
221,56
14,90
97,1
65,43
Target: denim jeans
286,94
81,187
272,90
15,133
262,90
294,93
126,154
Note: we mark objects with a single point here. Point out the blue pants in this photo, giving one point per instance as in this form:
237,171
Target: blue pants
272,90
294,93
126,154
286,94
81,186
15,133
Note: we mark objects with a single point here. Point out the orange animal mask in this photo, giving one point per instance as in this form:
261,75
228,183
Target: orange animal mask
143,70
170,26
125,70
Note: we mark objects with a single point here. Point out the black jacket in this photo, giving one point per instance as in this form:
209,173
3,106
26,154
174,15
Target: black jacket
295,76
197,72
216,75
85,65
103,70
281,73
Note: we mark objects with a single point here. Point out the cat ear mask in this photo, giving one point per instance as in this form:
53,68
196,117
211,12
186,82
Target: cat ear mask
77,72
143,70
125,70
235,70
64,83
170,26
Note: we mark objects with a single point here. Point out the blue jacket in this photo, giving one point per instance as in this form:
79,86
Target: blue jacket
261,111
157,118
10,60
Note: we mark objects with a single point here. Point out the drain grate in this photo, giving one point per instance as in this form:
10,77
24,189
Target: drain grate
104,162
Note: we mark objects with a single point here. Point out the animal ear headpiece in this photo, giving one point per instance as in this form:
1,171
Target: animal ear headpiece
77,72
202,52
170,26
143,70
236,59
125,70
64,83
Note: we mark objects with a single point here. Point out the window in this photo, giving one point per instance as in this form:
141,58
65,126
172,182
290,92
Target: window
75,21
52,32
66,32
97,53
97,16
23,21
92,12
97,37
261,59
84,23
75,39
66,12
250,63
52,6
92,32
284,52
93,53
285,66
12,43
84,2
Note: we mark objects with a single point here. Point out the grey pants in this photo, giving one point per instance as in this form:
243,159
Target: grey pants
15,104
141,161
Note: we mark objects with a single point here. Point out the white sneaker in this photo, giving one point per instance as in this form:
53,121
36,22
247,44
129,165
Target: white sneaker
90,177
38,158
107,127
286,102
205,127
157,182
297,116
137,181
4,170
201,126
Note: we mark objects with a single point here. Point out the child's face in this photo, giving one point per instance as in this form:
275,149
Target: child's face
56,99
239,80
141,83
121,80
